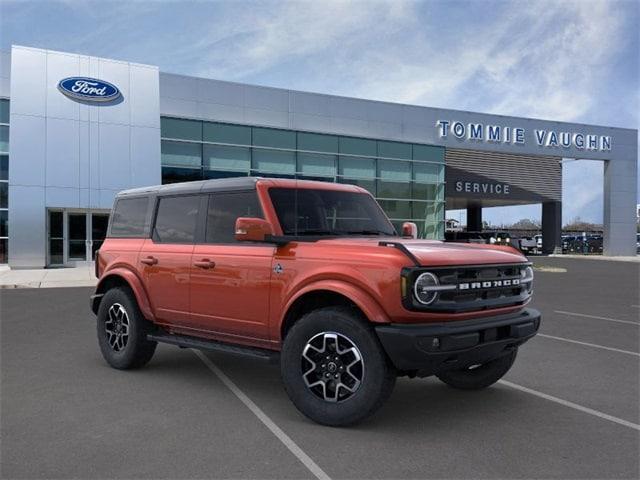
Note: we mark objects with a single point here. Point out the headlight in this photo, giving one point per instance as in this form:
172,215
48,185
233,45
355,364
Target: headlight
492,240
526,278
425,288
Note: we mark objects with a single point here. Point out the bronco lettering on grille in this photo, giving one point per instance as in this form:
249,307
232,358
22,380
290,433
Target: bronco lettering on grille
510,282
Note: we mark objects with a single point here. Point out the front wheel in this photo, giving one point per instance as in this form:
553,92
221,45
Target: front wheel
477,377
334,368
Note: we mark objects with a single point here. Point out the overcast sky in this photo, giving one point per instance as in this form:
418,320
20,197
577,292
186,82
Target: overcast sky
570,61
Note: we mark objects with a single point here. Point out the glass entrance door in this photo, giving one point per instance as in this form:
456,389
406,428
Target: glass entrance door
74,237
56,238
77,236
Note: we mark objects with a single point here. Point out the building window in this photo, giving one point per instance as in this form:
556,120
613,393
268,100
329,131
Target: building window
274,161
4,181
274,138
394,150
4,167
4,234
181,154
314,142
181,129
358,146
317,165
4,111
223,133
428,153
177,175
408,179
4,194
394,179
4,138
221,157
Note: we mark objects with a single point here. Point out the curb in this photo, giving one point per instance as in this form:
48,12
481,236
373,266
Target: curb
13,286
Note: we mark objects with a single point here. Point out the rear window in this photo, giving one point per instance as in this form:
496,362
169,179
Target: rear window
129,217
176,219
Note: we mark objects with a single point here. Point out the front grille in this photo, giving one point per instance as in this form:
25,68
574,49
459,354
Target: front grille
471,288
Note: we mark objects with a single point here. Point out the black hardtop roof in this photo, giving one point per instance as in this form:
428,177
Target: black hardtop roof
213,185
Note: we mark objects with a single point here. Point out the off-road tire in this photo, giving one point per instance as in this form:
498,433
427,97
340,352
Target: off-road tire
137,350
479,377
378,378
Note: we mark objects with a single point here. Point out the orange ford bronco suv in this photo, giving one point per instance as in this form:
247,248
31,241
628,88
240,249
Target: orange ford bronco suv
314,273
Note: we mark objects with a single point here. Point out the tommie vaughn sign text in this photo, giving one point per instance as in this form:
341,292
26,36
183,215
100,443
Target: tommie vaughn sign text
479,132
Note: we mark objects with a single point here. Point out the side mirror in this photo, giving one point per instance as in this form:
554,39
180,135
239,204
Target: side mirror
410,230
252,229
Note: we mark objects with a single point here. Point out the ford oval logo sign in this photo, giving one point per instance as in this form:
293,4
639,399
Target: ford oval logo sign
88,89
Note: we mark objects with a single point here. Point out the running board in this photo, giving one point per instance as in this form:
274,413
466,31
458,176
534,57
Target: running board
185,341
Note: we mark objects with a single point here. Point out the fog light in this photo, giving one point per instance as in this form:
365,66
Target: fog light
435,343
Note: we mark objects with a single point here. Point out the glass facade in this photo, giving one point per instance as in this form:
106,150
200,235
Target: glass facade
407,179
4,180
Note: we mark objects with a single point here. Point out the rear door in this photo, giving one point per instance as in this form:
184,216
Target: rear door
230,280
165,258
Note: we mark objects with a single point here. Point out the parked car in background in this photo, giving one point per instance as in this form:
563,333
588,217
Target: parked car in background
528,245
491,237
582,244
312,274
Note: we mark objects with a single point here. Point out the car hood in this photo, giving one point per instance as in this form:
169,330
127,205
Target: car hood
434,252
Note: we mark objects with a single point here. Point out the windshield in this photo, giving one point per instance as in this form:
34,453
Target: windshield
328,212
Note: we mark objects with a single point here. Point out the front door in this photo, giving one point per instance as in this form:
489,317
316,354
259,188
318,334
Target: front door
230,280
165,259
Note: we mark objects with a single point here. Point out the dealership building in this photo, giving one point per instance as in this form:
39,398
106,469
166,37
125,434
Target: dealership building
75,130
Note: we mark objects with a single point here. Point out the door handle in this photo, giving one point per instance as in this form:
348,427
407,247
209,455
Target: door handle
149,260
205,263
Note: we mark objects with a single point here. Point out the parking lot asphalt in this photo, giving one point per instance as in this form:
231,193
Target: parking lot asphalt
569,407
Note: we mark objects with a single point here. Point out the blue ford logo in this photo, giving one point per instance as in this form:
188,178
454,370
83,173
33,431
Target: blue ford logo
89,89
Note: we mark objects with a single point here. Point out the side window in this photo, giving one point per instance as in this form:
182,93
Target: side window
224,209
176,219
129,217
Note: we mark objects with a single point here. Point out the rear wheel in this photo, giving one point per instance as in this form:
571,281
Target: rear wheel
481,376
122,331
334,368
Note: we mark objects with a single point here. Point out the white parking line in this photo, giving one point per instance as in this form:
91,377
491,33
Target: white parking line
264,418
589,344
575,406
573,314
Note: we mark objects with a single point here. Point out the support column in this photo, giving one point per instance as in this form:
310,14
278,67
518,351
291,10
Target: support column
620,198
474,218
551,227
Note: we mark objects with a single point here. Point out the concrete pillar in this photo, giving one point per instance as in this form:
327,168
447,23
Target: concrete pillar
551,227
620,198
474,218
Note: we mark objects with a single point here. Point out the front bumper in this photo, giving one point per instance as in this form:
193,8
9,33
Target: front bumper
432,348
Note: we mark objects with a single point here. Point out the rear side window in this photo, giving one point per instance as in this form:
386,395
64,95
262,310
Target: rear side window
224,209
129,217
176,219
